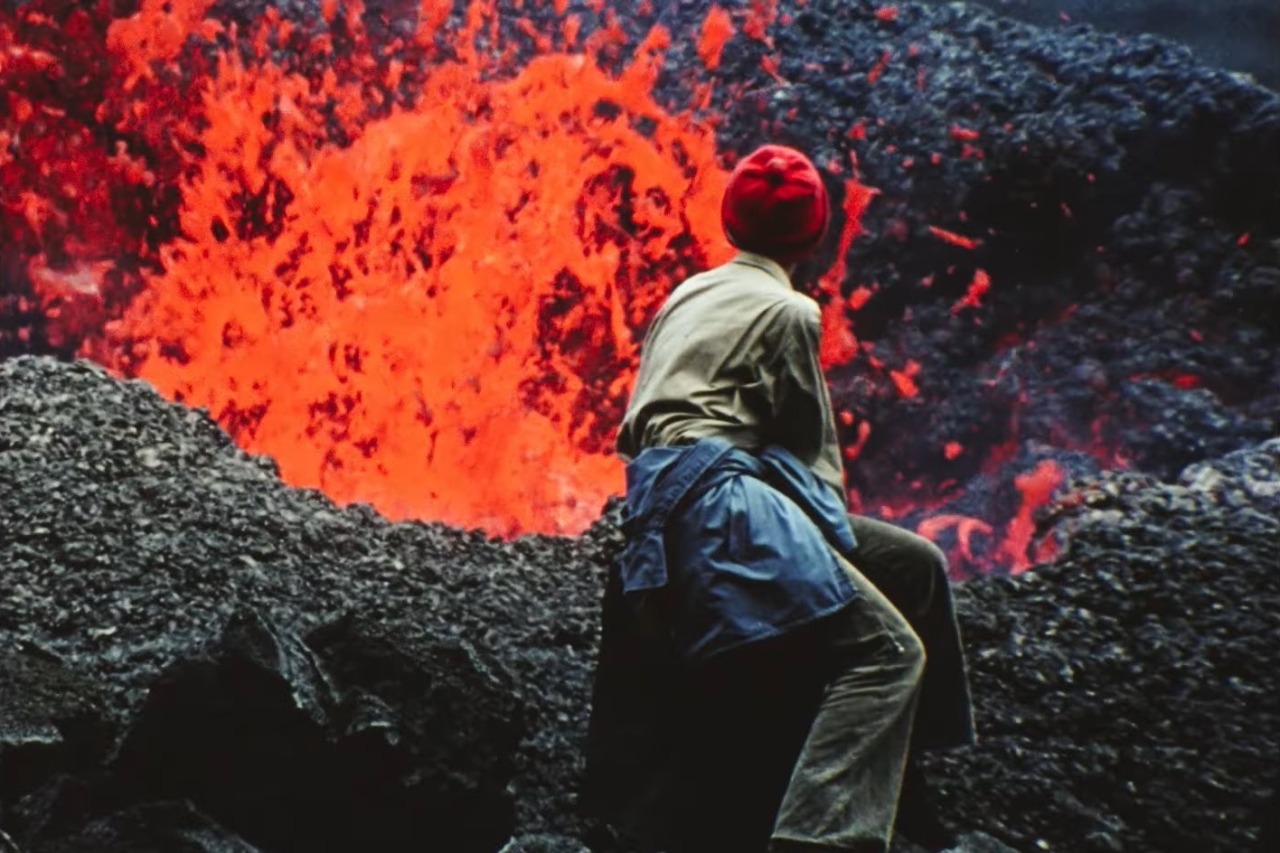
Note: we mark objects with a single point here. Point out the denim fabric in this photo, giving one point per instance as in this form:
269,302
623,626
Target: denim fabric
737,546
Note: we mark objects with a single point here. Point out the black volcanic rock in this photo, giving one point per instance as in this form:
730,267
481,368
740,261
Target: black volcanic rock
371,740
1125,692
1238,34
133,530
53,721
166,827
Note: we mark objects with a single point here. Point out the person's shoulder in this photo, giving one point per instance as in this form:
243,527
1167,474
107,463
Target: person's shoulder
797,307
748,289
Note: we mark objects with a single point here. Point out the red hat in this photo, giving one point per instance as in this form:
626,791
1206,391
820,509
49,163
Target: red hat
776,204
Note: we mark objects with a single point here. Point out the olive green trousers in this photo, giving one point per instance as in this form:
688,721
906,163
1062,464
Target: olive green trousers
897,682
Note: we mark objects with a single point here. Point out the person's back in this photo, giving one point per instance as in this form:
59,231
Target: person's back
732,355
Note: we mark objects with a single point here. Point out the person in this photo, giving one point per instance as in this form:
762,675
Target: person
742,562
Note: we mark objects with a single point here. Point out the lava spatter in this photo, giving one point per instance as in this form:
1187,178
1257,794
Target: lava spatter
455,297
391,303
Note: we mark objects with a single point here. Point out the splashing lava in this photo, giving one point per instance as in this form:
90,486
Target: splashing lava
398,302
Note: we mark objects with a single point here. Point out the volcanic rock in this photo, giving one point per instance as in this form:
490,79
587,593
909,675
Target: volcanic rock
1126,692
134,533
168,827
1123,198
1236,34
52,721
372,740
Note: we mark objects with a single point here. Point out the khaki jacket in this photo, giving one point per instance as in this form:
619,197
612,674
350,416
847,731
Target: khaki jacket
733,354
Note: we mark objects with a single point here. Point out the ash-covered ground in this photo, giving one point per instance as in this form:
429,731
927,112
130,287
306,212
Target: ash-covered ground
1125,694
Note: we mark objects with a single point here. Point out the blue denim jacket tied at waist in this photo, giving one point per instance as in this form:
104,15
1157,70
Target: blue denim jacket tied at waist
738,546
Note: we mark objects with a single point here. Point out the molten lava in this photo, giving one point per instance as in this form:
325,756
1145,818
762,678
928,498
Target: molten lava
430,302
413,260
454,298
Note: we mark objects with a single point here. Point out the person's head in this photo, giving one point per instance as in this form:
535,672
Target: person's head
776,205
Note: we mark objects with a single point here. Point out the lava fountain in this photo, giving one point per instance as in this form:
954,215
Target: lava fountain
409,248
419,288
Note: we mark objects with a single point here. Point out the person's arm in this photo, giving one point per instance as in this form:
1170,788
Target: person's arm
801,418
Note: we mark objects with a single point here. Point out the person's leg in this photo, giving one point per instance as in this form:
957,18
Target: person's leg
744,718
912,573
843,792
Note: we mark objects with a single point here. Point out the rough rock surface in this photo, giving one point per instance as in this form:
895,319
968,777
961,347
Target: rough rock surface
133,530
1236,34
1127,686
1127,697
1126,198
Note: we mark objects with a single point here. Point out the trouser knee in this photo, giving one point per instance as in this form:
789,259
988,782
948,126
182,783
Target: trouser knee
914,656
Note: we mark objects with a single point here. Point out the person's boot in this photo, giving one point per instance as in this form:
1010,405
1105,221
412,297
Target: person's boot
917,819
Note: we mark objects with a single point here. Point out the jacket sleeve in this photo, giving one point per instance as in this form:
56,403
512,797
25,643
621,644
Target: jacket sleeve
801,418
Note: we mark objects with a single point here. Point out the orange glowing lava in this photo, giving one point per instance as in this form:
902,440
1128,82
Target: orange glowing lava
440,314
965,527
978,288
1036,487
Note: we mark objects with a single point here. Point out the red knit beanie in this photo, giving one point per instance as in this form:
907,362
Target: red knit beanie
776,204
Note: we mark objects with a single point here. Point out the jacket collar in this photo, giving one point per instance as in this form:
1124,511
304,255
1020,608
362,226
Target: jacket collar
765,263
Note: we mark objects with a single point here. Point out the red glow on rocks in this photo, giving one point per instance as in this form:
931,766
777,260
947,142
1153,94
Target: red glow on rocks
156,33
904,380
1183,381
877,71
1036,488
717,29
978,288
952,450
954,238
932,528
771,64
839,344
963,134
860,296
853,451
761,15
887,13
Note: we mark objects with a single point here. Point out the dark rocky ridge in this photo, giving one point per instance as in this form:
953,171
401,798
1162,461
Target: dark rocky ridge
133,531
1236,34
1125,694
